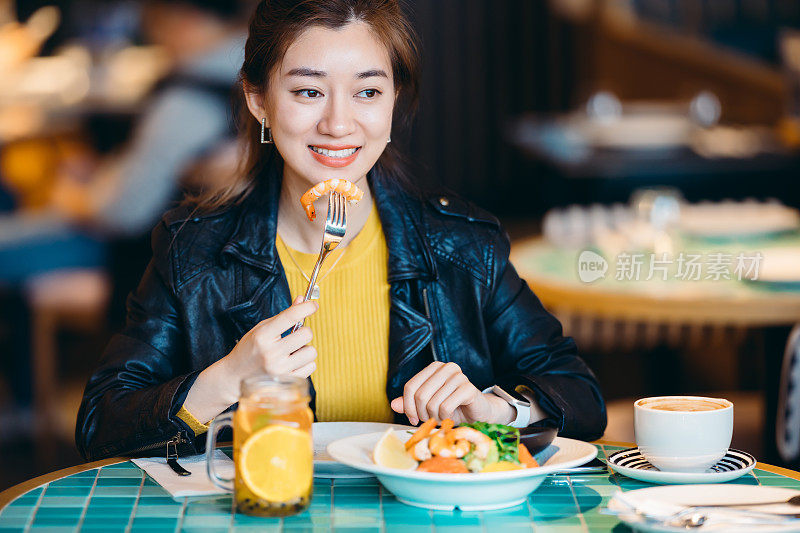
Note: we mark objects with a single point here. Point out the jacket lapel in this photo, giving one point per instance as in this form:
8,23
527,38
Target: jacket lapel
253,243
410,267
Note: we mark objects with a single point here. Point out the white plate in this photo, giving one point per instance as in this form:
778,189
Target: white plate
631,463
326,432
469,492
708,494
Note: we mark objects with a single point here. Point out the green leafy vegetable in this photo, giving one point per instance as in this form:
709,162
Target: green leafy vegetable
505,437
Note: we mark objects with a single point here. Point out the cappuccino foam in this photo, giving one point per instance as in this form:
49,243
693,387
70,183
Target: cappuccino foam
684,404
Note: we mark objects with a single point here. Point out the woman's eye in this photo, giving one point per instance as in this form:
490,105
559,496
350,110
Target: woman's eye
369,93
310,93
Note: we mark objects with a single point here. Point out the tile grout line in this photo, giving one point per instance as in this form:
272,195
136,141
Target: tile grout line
88,500
577,505
612,474
233,511
528,505
332,524
135,504
36,508
181,514
380,507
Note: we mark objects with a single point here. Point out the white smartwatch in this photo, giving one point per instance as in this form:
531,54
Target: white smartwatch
523,408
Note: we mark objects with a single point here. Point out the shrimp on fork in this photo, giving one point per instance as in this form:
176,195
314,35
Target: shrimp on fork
347,188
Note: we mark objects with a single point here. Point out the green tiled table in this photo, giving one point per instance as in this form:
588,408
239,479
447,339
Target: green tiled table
116,496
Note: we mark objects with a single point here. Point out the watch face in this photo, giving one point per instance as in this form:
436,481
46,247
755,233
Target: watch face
513,398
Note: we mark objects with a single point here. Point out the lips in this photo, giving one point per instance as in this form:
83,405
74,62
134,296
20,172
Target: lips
334,156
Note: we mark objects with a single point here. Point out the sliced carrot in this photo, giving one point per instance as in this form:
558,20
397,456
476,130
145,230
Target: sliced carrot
443,465
526,458
446,425
423,431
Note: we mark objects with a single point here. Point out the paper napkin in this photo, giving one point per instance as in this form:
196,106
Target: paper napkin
198,484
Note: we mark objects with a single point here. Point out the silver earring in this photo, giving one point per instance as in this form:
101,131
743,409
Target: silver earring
266,133
389,139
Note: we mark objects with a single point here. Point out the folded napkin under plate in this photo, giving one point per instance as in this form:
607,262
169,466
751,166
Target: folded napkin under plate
197,484
659,508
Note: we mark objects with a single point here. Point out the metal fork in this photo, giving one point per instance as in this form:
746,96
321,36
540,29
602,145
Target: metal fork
335,226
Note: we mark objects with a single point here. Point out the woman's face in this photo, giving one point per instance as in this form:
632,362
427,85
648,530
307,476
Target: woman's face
329,105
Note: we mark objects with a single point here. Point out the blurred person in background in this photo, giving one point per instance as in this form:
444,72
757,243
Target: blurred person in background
187,119
98,213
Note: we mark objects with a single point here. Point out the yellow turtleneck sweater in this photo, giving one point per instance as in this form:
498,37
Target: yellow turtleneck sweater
351,327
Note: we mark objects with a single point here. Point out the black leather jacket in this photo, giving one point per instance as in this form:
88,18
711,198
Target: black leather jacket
454,297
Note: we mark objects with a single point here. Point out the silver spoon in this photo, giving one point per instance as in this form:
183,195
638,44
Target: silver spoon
693,517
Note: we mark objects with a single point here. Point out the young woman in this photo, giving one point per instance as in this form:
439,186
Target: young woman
421,314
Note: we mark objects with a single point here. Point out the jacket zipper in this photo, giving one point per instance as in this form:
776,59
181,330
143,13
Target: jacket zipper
177,439
428,313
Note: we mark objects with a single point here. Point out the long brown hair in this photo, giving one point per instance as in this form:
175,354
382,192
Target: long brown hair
274,26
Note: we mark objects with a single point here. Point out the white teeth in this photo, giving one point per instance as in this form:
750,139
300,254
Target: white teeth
334,153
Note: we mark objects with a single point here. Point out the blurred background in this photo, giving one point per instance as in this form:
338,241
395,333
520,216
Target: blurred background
617,126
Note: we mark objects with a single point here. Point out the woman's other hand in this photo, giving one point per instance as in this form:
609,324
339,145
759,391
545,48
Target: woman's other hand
260,351
441,391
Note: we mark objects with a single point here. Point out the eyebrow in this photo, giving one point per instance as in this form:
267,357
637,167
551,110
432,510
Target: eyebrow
311,73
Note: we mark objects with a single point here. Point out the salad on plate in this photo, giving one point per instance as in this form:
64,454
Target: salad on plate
478,447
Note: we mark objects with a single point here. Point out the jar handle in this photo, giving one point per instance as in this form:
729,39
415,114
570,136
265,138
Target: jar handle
222,421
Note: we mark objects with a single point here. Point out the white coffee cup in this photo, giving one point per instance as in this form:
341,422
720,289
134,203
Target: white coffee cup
683,433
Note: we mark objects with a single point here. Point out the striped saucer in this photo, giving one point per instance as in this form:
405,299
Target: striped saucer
632,463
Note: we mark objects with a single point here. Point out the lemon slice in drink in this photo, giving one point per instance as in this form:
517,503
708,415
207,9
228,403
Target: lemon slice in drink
391,453
276,463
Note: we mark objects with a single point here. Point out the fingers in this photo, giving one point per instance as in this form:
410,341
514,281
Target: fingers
410,389
463,395
273,327
291,361
431,386
294,341
305,370
450,386
302,357
397,405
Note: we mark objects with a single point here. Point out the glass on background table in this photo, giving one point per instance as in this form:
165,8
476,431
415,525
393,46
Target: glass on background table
115,495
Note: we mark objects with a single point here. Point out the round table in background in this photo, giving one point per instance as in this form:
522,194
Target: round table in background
115,495
610,314
552,273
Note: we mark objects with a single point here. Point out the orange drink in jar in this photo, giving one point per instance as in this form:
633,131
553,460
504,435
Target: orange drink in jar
272,447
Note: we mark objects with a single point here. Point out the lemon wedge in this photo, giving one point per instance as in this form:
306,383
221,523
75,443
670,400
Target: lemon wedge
391,453
277,463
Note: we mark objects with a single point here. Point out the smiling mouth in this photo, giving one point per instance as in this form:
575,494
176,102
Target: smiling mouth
347,152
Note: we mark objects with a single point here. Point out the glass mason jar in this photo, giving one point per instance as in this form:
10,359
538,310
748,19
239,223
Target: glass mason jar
273,451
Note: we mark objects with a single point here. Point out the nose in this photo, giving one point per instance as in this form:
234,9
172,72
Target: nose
338,118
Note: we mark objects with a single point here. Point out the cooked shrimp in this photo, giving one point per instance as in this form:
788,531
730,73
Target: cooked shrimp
457,449
420,451
349,189
482,442
444,444
439,440
423,431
